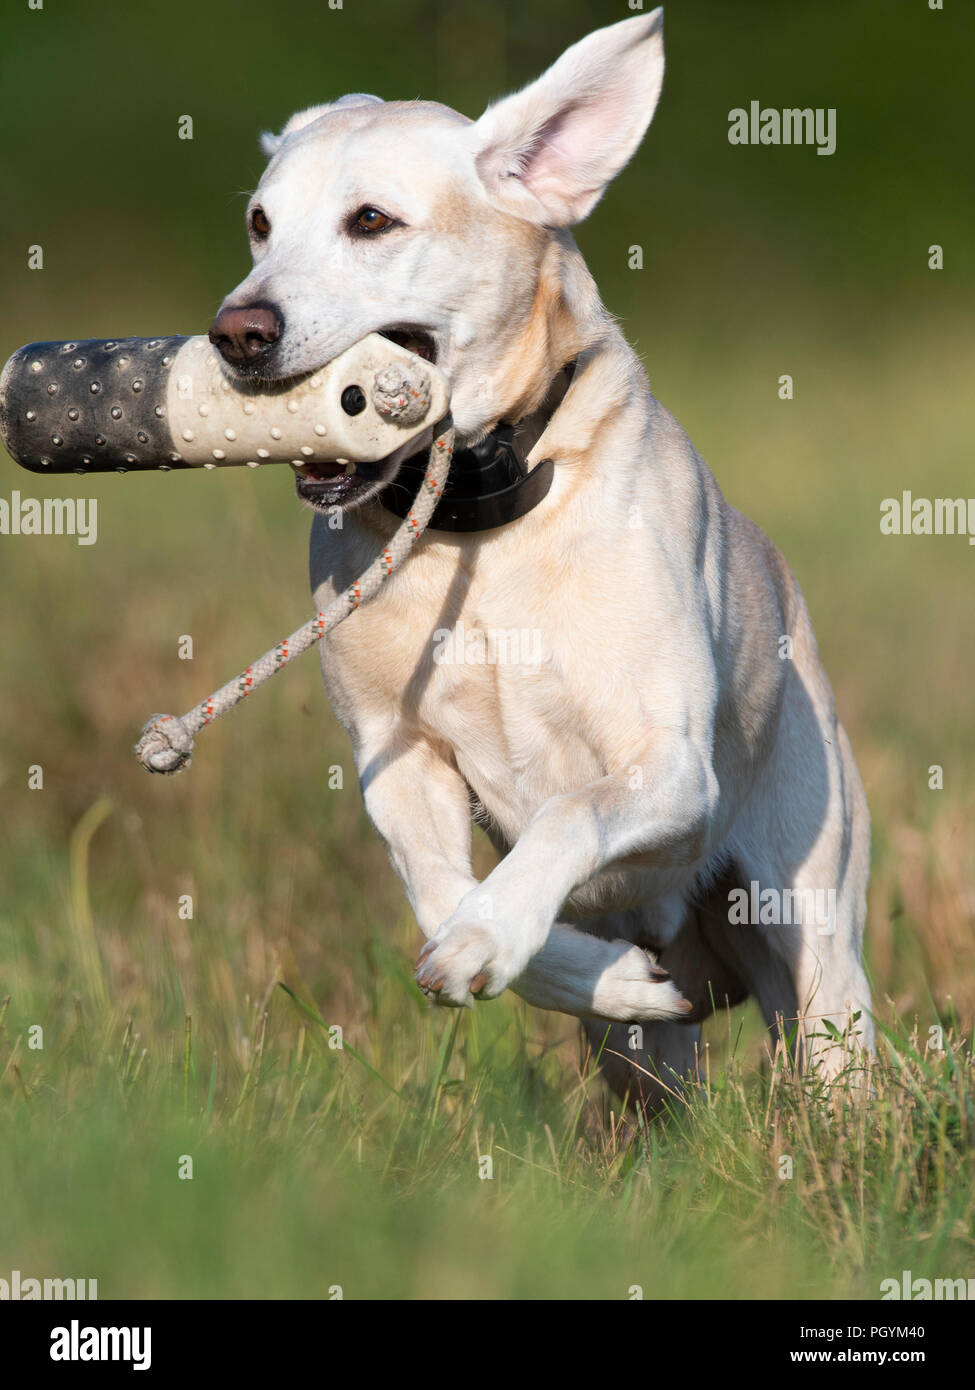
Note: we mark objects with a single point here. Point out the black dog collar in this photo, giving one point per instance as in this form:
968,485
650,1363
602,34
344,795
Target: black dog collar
488,484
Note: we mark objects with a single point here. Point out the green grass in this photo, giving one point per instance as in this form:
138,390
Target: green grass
315,1167
360,1166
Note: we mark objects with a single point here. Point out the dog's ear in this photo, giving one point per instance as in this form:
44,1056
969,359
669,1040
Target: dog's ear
270,144
549,151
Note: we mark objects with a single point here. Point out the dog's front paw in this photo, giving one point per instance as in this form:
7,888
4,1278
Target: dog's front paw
634,989
466,961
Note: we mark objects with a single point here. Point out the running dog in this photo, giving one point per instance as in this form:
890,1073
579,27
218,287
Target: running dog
667,769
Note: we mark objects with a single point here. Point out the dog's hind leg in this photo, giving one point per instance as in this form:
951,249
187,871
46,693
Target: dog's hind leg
799,951
824,952
645,1064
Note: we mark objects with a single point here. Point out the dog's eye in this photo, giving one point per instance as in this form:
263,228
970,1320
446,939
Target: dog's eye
371,220
260,226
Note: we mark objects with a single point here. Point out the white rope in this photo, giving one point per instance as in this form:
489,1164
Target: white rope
166,744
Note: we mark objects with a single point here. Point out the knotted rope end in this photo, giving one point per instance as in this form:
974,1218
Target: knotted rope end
166,744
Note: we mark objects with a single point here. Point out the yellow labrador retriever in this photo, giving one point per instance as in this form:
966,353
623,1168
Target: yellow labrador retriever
600,660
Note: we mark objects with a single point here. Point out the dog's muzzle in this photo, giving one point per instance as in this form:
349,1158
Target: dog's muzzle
135,404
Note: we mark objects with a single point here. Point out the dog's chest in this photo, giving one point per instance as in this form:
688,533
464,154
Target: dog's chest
514,720
507,658
536,694
503,675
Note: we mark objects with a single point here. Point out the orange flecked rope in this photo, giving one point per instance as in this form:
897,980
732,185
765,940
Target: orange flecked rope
166,744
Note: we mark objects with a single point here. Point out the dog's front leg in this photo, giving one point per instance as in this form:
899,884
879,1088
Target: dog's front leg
663,814
418,802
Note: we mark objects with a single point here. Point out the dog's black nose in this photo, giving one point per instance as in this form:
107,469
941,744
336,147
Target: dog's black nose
243,335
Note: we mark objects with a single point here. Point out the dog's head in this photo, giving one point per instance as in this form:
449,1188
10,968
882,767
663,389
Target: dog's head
447,235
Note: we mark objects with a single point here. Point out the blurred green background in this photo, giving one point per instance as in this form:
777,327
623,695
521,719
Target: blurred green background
758,261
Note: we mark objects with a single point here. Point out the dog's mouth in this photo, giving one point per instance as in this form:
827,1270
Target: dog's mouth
416,340
327,486
344,483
